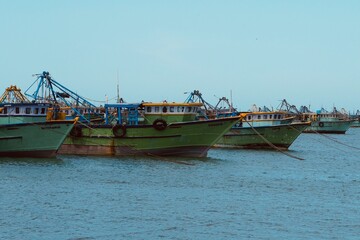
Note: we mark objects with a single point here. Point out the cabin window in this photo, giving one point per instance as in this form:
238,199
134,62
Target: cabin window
270,116
249,117
265,116
17,110
182,109
195,109
157,109
188,109
42,110
172,109
27,110
5,110
164,109
36,110
148,109
259,116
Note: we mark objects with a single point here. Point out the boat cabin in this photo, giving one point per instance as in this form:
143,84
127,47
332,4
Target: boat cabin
170,111
267,118
85,114
22,112
123,114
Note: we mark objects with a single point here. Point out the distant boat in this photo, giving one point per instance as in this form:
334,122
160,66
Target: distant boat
356,118
323,121
152,129
356,122
24,130
263,130
257,130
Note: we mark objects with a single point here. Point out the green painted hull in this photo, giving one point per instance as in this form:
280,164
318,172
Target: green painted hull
33,139
338,127
355,123
282,136
187,139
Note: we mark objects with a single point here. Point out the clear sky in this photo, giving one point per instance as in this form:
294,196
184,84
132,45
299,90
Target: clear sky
307,52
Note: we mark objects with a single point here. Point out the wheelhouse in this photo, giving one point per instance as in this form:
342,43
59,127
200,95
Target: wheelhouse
170,111
23,112
268,118
122,113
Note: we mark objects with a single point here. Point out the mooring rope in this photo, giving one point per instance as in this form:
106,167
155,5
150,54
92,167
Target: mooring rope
335,140
330,138
317,140
272,145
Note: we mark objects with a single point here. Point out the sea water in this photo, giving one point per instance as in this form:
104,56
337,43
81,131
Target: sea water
231,194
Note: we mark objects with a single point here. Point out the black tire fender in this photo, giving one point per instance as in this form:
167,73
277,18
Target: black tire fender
160,124
119,130
76,131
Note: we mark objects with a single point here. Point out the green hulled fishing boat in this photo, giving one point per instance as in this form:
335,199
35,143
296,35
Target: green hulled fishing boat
327,122
25,132
356,119
155,129
38,139
258,129
263,130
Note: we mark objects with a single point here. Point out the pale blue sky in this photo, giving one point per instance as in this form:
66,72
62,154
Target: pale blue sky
307,52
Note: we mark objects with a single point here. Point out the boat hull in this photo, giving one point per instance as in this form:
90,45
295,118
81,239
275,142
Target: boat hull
336,127
355,123
33,139
264,137
186,139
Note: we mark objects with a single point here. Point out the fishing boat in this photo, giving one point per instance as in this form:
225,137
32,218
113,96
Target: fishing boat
258,129
152,129
131,129
356,122
356,117
29,129
263,130
323,121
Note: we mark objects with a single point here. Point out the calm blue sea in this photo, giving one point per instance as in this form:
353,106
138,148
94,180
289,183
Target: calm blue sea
232,194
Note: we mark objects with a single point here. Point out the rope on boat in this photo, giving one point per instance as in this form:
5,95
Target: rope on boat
317,140
330,138
272,145
335,140
86,125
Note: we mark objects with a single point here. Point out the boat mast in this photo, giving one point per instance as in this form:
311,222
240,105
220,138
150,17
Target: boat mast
231,101
118,94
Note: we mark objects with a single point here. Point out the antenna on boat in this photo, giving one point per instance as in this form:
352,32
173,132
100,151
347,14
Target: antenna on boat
231,101
118,92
